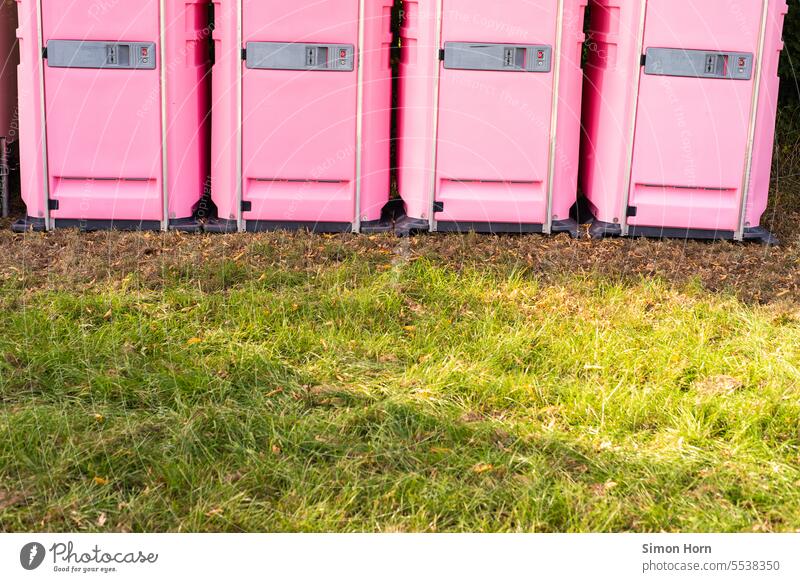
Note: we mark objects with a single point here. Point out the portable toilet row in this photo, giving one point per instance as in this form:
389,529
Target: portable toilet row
115,113
678,109
678,114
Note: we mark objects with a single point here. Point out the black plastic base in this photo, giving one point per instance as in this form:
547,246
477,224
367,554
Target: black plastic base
28,224
600,229
761,235
190,225
220,226
489,227
320,227
230,226
408,226
96,225
568,226
376,227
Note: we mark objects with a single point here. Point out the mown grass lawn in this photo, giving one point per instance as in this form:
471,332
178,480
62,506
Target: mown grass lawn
388,391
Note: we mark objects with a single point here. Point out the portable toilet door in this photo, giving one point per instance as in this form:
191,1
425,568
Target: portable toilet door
301,115
113,113
489,115
681,98
9,60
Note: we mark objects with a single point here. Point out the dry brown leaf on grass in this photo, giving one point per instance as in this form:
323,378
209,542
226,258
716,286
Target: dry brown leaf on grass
234,477
10,499
471,416
101,519
481,468
719,385
601,489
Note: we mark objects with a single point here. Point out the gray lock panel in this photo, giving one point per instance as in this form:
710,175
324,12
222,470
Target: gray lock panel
472,56
699,64
294,56
81,54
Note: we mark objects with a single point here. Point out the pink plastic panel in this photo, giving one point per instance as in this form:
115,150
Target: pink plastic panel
495,126
377,108
32,178
299,126
104,199
492,201
416,115
611,80
188,94
570,100
103,124
492,142
225,128
104,139
691,134
688,170
90,149
767,111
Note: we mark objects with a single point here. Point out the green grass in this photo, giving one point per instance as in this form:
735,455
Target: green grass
385,394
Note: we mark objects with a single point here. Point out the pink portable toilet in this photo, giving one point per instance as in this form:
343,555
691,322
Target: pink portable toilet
489,115
9,59
301,114
681,97
112,113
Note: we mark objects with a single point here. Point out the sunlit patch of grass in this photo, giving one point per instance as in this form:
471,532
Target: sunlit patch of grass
383,394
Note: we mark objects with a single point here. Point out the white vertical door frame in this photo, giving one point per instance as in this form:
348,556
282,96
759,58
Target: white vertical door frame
435,129
547,227
48,221
751,135
634,113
